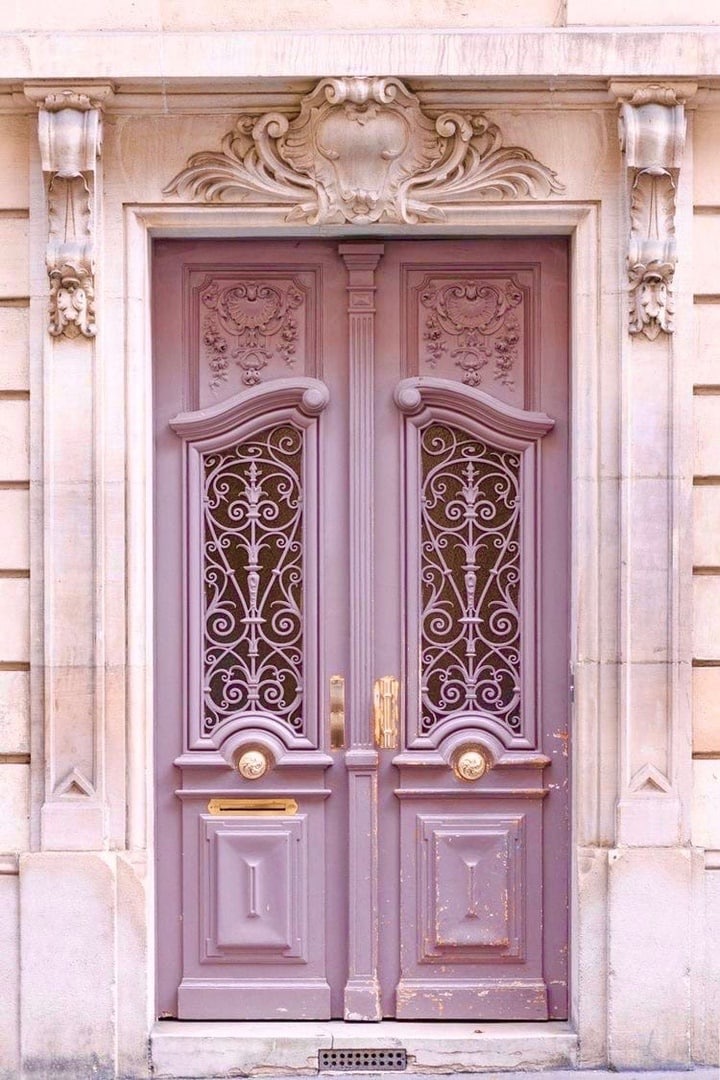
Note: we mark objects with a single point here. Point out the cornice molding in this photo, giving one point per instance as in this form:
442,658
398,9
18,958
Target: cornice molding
70,138
362,151
652,130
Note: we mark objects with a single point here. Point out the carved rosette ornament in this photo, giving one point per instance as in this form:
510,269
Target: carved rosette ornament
652,138
362,150
70,136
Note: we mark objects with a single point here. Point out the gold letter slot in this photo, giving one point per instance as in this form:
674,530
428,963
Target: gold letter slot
248,807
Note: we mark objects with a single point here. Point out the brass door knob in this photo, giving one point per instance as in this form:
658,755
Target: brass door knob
470,763
253,764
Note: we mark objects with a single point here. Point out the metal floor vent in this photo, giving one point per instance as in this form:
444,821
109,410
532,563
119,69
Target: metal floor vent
390,1060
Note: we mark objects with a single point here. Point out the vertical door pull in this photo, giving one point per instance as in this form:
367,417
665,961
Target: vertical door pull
386,694
337,712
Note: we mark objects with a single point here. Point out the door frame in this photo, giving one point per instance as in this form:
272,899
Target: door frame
591,796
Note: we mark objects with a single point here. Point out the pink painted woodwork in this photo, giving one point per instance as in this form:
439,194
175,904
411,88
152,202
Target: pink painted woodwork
361,471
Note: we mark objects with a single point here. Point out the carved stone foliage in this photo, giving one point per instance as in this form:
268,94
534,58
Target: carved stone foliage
476,323
362,150
248,323
69,130
652,137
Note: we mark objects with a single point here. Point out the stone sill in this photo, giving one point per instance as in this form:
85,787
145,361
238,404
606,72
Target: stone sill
203,1049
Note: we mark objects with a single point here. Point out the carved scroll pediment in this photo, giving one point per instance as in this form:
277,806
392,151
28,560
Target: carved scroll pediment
362,150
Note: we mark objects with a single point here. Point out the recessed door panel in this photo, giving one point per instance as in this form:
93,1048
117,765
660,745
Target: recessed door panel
362,631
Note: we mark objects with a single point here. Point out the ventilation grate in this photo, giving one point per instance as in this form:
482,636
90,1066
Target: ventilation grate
390,1060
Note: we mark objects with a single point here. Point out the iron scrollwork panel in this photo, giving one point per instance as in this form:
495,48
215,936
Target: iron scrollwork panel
470,578
471,475
253,578
251,605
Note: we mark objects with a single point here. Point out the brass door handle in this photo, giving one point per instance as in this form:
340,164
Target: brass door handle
337,712
386,702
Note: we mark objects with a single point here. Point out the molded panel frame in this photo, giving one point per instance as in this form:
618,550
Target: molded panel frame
296,402
422,401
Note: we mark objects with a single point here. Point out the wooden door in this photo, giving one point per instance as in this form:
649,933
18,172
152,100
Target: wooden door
362,629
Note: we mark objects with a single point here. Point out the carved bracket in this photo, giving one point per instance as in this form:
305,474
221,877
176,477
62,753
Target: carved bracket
70,137
652,138
362,150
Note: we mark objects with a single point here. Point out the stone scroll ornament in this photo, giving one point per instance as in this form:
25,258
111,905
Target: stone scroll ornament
362,150
652,137
69,129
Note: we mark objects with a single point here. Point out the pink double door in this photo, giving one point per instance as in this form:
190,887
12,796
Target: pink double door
362,628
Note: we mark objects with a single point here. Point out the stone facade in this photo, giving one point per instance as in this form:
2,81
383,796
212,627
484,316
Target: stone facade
166,80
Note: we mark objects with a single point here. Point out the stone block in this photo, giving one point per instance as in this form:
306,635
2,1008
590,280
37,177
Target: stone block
15,135
9,977
14,620
14,348
706,710
14,440
706,526
133,957
641,13
706,1048
706,253
14,807
68,965
14,530
706,804
706,618
707,434
14,261
706,137
649,912
588,955
370,15
14,712
706,361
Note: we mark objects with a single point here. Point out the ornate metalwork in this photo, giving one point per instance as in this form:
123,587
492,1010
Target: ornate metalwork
470,763
253,764
253,578
470,578
477,317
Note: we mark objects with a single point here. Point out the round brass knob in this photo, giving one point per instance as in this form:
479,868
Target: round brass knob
470,764
253,764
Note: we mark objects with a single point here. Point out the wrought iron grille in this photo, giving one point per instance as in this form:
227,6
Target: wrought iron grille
253,578
470,578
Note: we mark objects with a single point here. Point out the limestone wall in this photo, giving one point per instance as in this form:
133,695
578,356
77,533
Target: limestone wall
14,561
368,15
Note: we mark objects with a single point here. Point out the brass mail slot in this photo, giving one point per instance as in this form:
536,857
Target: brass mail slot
246,807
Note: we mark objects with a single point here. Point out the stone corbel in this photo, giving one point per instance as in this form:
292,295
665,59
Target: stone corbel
70,137
652,139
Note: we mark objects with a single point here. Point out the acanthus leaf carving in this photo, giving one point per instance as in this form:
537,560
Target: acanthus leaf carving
652,138
70,137
362,150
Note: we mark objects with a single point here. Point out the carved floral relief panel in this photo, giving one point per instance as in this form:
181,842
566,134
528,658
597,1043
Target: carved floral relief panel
248,327
471,326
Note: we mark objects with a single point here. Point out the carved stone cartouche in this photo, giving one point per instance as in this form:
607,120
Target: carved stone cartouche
362,150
